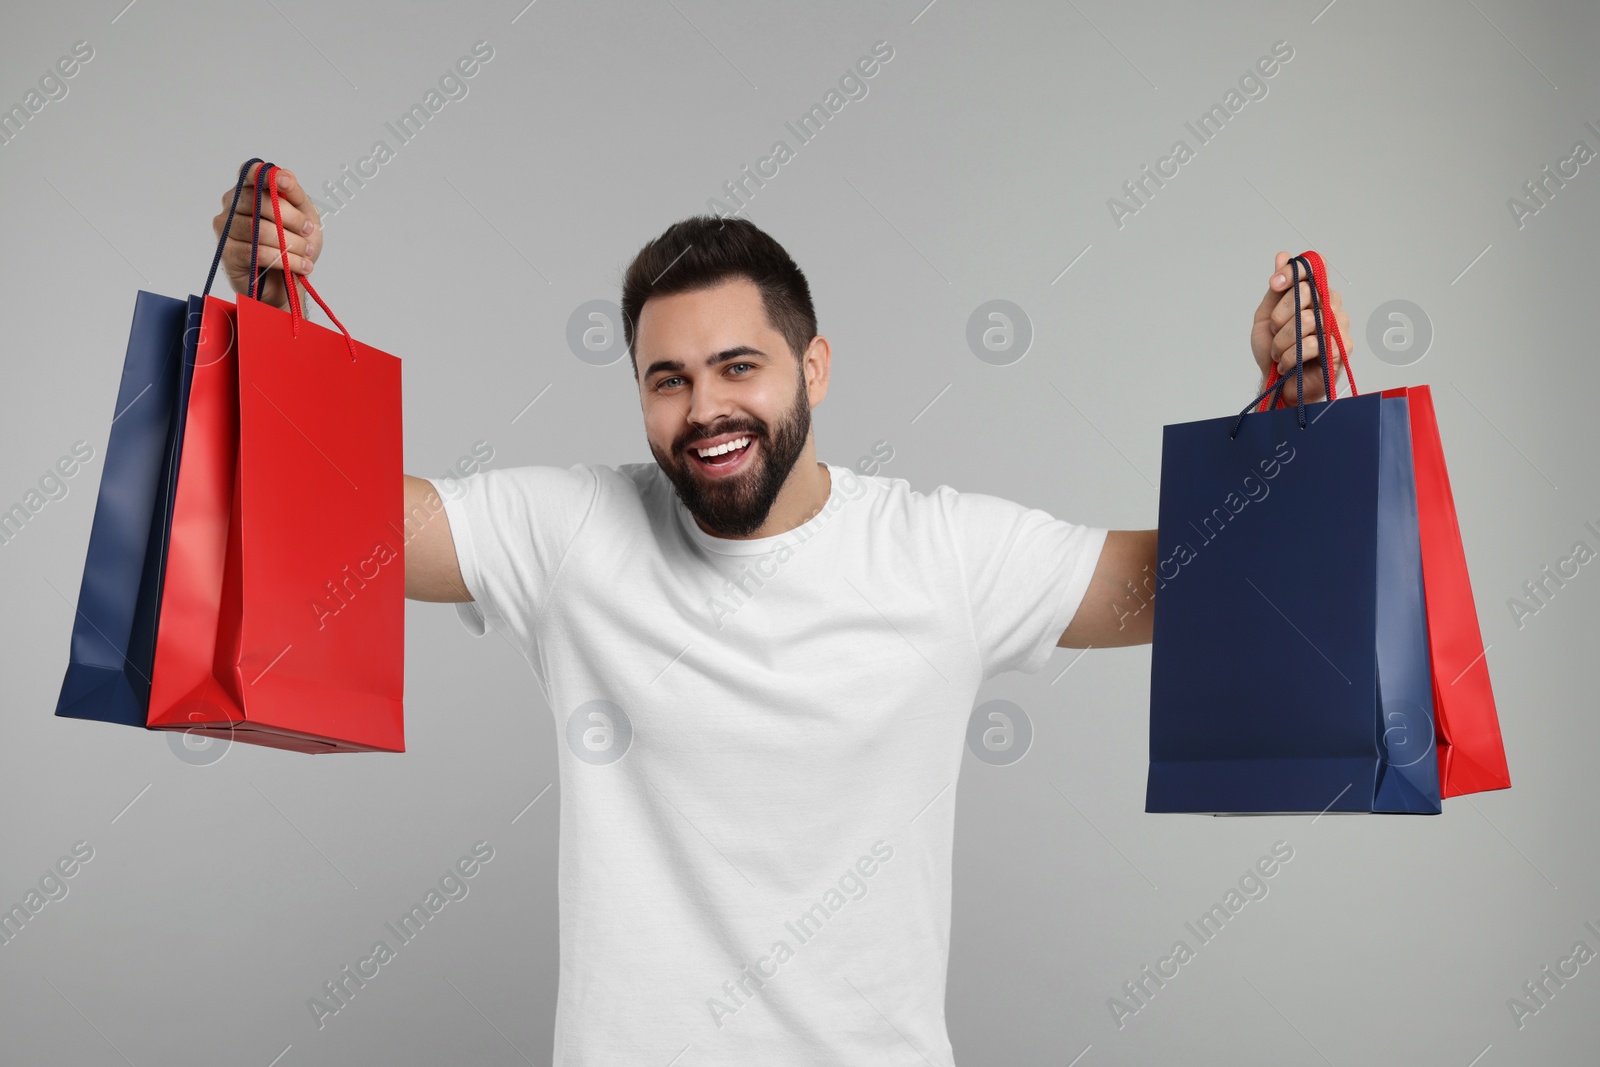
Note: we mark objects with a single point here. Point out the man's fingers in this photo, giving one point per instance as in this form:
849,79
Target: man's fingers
237,251
1280,276
294,205
289,186
1284,312
294,219
299,244
1300,297
1309,361
265,258
1309,355
1283,340
1311,351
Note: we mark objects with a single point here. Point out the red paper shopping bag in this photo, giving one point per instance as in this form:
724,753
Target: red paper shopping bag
183,690
1472,757
283,613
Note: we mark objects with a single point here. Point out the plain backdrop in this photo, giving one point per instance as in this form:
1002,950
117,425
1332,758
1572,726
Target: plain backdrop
223,892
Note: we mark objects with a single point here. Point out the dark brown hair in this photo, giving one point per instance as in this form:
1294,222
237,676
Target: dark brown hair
703,251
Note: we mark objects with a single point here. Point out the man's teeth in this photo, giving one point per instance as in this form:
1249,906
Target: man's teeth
707,453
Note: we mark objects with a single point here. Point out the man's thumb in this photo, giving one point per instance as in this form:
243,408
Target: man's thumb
1280,280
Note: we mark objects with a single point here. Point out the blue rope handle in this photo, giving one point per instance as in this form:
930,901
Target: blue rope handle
1299,355
255,230
223,240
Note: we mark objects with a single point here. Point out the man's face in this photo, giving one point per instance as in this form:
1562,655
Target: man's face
713,369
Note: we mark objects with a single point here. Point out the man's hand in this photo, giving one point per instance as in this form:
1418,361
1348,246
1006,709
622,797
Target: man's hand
302,229
1272,337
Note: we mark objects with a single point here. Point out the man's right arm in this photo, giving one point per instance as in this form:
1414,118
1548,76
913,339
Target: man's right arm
432,572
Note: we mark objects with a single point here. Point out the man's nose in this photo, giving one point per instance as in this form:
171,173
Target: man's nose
709,403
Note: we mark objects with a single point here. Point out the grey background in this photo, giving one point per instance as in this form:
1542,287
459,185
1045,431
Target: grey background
221,896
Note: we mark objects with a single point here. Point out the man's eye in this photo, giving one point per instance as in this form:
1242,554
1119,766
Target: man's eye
663,383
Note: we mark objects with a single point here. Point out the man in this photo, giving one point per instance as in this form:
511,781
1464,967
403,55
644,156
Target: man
761,668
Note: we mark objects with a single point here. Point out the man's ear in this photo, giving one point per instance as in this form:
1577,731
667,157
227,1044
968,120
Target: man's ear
817,363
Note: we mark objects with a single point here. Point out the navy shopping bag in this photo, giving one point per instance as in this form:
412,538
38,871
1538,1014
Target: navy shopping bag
1289,665
113,646
114,630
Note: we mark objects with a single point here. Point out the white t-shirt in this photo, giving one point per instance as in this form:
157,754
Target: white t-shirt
759,742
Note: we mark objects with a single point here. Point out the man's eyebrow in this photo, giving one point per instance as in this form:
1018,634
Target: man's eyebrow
724,356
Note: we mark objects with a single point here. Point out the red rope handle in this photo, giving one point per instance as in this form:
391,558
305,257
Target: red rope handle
349,341
283,249
1319,277
295,311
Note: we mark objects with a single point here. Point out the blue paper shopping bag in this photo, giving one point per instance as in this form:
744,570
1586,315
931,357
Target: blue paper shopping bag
113,631
112,656
1289,665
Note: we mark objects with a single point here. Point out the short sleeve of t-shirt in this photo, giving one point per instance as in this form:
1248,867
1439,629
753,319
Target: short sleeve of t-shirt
1026,573
512,530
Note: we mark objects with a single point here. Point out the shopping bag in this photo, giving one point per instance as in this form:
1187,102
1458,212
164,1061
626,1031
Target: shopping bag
184,690
1472,757
1289,663
286,578
113,630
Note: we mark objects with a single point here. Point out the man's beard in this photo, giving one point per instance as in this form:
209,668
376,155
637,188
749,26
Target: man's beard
736,506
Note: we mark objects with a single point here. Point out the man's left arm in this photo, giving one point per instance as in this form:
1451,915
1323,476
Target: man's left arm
1119,606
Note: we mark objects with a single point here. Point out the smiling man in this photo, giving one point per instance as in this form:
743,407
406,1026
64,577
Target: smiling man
757,809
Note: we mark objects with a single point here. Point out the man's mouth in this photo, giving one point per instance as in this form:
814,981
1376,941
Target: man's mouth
725,457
